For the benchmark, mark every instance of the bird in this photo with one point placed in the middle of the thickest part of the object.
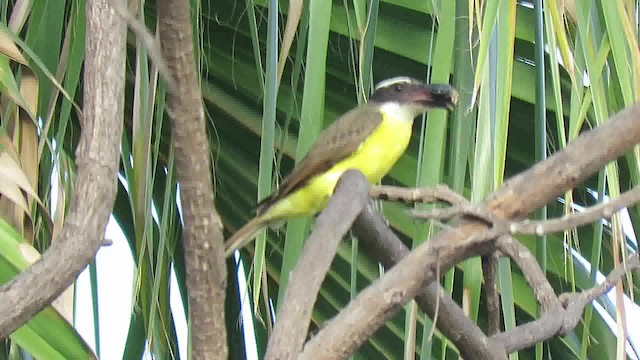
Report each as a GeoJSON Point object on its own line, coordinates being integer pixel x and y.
{"type": "Point", "coordinates": [369, 138]}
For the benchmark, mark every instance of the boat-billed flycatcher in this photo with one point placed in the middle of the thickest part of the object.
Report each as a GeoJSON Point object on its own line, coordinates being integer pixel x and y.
{"type": "Point", "coordinates": [370, 138]}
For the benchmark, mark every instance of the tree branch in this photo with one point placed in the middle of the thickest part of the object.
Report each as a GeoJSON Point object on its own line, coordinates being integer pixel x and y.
{"type": "Point", "coordinates": [97, 159]}
{"type": "Point", "coordinates": [289, 333]}
{"type": "Point", "coordinates": [203, 240]}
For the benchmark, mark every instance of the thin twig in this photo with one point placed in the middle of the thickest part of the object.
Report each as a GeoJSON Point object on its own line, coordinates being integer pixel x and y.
{"type": "Point", "coordinates": [145, 37]}
{"type": "Point", "coordinates": [440, 193]}
{"type": "Point", "coordinates": [462, 210]}
{"type": "Point", "coordinates": [570, 221]}
{"type": "Point", "coordinates": [563, 317]}
{"type": "Point", "coordinates": [520, 254]}
{"type": "Point", "coordinates": [532, 227]}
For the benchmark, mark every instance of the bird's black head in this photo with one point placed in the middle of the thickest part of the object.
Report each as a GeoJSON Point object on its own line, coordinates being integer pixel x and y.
{"type": "Point", "coordinates": [405, 90]}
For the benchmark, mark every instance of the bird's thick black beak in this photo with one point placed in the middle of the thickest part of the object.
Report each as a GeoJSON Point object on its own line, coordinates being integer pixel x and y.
{"type": "Point", "coordinates": [438, 96]}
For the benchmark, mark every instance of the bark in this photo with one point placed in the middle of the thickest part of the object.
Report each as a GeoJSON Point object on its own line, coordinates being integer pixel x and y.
{"type": "Point", "coordinates": [203, 240]}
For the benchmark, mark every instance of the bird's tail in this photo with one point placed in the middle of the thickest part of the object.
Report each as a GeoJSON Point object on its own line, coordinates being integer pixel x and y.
{"type": "Point", "coordinates": [243, 236]}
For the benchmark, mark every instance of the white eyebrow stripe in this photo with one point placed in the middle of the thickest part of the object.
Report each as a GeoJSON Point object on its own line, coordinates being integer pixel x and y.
{"type": "Point", "coordinates": [395, 80]}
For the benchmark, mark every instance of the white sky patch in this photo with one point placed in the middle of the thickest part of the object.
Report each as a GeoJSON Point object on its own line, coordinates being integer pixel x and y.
{"type": "Point", "coordinates": [179, 318]}
{"type": "Point", "coordinates": [251, 348]}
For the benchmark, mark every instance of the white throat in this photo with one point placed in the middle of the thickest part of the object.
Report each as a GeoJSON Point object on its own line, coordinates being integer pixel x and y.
{"type": "Point", "coordinates": [402, 112]}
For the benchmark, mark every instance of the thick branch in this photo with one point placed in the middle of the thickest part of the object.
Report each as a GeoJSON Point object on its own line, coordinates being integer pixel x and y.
{"type": "Point", "coordinates": [203, 240]}
{"type": "Point", "coordinates": [97, 158]}
{"type": "Point", "coordinates": [517, 197]}
{"type": "Point", "coordinates": [351, 196]}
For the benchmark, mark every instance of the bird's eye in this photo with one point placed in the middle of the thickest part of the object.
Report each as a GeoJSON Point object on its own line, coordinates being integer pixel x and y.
{"type": "Point", "coordinates": [398, 87]}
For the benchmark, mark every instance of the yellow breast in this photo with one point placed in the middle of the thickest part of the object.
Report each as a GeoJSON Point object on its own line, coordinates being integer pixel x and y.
{"type": "Point", "coordinates": [374, 158]}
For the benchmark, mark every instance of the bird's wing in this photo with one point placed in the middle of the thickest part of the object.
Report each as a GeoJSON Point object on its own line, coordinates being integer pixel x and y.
{"type": "Point", "coordinates": [335, 143]}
